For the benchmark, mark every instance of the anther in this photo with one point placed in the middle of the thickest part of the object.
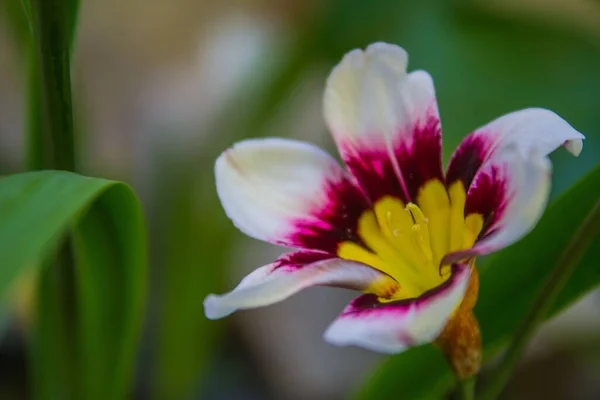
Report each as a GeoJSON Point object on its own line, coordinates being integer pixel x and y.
{"type": "Point", "coordinates": [420, 231]}
{"type": "Point", "coordinates": [417, 214]}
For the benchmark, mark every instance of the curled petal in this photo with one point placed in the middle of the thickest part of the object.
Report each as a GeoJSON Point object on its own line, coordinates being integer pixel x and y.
{"type": "Point", "coordinates": [393, 327]}
{"type": "Point", "coordinates": [385, 121]}
{"type": "Point", "coordinates": [290, 274]}
{"type": "Point", "coordinates": [510, 195]}
{"type": "Point", "coordinates": [288, 192]}
{"type": "Point", "coordinates": [530, 130]}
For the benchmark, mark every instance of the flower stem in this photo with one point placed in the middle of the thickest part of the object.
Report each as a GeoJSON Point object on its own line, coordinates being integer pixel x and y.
{"type": "Point", "coordinates": [541, 305]}
{"type": "Point", "coordinates": [466, 388]}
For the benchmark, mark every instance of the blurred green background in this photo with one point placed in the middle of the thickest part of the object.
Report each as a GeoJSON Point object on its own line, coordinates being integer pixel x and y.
{"type": "Point", "coordinates": [162, 87]}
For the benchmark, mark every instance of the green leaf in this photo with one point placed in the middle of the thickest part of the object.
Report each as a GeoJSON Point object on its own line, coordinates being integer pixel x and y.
{"type": "Point", "coordinates": [109, 247]}
{"type": "Point", "coordinates": [509, 282]}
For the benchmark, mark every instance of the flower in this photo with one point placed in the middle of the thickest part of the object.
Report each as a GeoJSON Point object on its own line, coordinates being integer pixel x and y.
{"type": "Point", "coordinates": [392, 226]}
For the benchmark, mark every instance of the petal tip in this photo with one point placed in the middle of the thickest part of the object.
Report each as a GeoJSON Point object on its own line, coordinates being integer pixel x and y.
{"type": "Point", "coordinates": [213, 309]}
{"type": "Point", "coordinates": [361, 94]}
{"type": "Point", "coordinates": [354, 57]}
{"type": "Point", "coordinates": [225, 163]}
{"type": "Point", "coordinates": [331, 335]}
{"type": "Point", "coordinates": [394, 50]}
{"type": "Point", "coordinates": [574, 146]}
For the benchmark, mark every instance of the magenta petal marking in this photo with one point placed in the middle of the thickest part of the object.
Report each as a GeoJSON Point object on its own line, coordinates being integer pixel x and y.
{"type": "Point", "coordinates": [298, 259]}
{"type": "Point", "coordinates": [489, 196]}
{"type": "Point", "coordinates": [467, 159]}
{"type": "Point", "coordinates": [420, 159]}
{"type": "Point", "coordinates": [375, 171]}
{"type": "Point", "coordinates": [486, 195]}
{"type": "Point", "coordinates": [413, 158]}
{"type": "Point", "coordinates": [331, 222]}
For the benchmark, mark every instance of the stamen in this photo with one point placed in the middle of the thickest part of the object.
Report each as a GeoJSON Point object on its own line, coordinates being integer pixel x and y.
{"type": "Point", "coordinates": [421, 240]}
{"type": "Point", "coordinates": [445, 271]}
{"type": "Point", "coordinates": [416, 213]}
{"type": "Point", "coordinates": [420, 231]}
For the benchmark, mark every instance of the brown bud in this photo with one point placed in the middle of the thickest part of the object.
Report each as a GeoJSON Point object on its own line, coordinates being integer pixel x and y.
{"type": "Point", "coordinates": [461, 338]}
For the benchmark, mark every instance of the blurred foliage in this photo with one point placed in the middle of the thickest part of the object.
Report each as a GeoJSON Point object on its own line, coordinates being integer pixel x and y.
{"type": "Point", "coordinates": [191, 262]}
{"type": "Point", "coordinates": [109, 246]}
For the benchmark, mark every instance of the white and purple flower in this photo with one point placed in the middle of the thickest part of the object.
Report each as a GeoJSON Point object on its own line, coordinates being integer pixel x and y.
{"type": "Point", "coordinates": [393, 226]}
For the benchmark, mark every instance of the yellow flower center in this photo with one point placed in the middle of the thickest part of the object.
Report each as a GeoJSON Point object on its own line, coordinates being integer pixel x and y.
{"type": "Point", "coordinates": [408, 241]}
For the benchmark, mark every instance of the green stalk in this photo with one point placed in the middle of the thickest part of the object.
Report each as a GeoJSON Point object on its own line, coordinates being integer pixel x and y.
{"type": "Point", "coordinates": [52, 28]}
{"type": "Point", "coordinates": [541, 305]}
{"type": "Point", "coordinates": [51, 145]}
{"type": "Point", "coordinates": [36, 148]}
{"type": "Point", "coordinates": [466, 388]}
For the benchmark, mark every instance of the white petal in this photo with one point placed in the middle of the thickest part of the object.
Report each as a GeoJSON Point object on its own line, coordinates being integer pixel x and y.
{"type": "Point", "coordinates": [381, 116]}
{"type": "Point", "coordinates": [529, 131]}
{"type": "Point", "coordinates": [504, 166]}
{"type": "Point", "coordinates": [362, 91]}
{"type": "Point", "coordinates": [394, 327]}
{"type": "Point", "coordinates": [532, 129]}
{"type": "Point", "coordinates": [530, 190]}
{"type": "Point", "coordinates": [286, 192]}
{"type": "Point", "coordinates": [574, 146]}
{"type": "Point", "coordinates": [516, 189]}
{"type": "Point", "coordinates": [278, 281]}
